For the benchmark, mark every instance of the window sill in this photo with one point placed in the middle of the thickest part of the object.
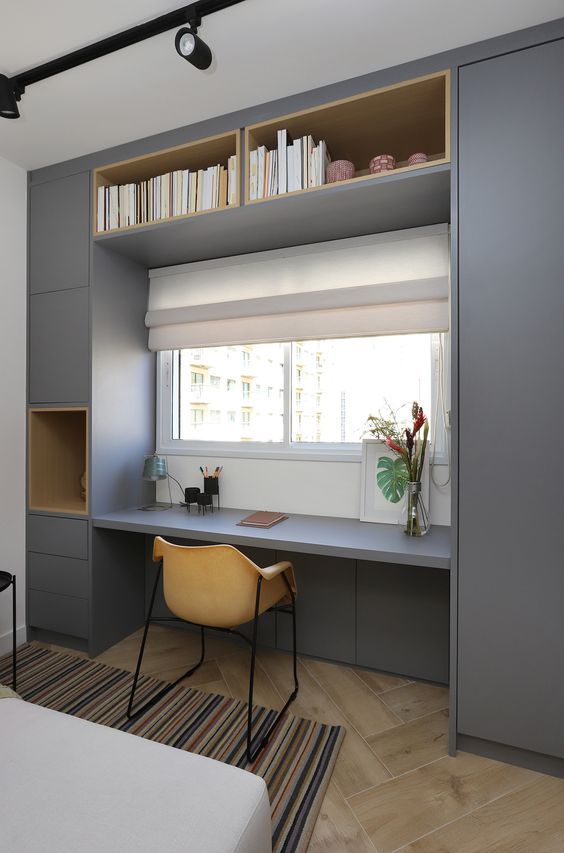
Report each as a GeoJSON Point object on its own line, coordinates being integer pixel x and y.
{"type": "Point", "coordinates": [305, 454]}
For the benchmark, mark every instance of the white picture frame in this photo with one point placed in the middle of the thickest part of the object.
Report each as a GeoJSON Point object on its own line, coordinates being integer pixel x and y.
{"type": "Point", "coordinates": [373, 505]}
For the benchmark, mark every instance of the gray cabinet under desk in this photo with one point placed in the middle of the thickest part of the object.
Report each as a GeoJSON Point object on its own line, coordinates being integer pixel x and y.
{"type": "Point", "coordinates": [357, 603]}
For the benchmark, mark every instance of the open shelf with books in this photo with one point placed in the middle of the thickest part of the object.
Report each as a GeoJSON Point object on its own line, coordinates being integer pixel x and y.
{"type": "Point", "coordinates": [184, 181]}
{"type": "Point", "coordinates": [400, 199]}
{"type": "Point", "coordinates": [58, 460]}
{"type": "Point", "coordinates": [290, 154]}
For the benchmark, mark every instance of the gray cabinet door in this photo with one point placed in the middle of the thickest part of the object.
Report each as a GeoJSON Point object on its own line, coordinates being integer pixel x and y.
{"type": "Point", "coordinates": [325, 607]}
{"type": "Point", "coordinates": [403, 619]}
{"type": "Point", "coordinates": [59, 347]}
{"type": "Point", "coordinates": [60, 234]}
{"type": "Point", "coordinates": [511, 262]}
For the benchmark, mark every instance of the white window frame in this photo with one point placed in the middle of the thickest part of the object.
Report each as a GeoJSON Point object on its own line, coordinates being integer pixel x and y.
{"type": "Point", "coordinates": [286, 449]}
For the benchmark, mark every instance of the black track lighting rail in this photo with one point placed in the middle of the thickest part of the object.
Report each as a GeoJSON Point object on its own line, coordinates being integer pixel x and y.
{"type": "Point", "coordinates": [190, 14]}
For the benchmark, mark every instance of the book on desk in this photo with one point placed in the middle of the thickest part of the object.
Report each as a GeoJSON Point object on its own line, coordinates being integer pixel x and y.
{"type": "Point", "coordinates": [263, 518]}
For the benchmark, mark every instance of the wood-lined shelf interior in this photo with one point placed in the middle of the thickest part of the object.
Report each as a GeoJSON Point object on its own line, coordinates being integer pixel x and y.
{"type": "Point", "coordinates": [58, 460]}
{"type": "Point", "coordinates": [410, 117]}
{"type": "Point", "coordinates": [196, 155]}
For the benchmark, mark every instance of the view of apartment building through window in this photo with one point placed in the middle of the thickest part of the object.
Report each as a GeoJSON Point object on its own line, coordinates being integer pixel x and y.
{"type": "Point", "coordinates": [238, 394]}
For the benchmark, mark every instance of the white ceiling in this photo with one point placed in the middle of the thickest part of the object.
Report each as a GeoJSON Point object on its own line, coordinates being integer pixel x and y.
{"type": "Point", "coordinates": [263, 49]}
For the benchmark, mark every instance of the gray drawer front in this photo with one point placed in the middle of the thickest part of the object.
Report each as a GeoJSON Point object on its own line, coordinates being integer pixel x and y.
{"type": "Point", "coordinates": [64, 537]}
{"type": "Point", "coordinates": [59, 613]}
{"type": "Point", "coordinates": [63, 575]}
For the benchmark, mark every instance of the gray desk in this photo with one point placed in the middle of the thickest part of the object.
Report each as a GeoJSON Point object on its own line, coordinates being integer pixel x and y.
{"type": "Point", "coordinates": [307, 534]}
{"type": "Point", "coordinates": [368, 595]}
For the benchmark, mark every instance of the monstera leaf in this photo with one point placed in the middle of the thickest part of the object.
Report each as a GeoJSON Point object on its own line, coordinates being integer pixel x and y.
{"type": "Point", "coordinates": [391, 477]}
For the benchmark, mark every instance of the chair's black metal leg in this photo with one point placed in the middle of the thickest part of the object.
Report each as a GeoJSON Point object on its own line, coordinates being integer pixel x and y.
{"type": "Point", "coordinates": [295, 655]}
{"type": "Point", "coordinates": [14, 631]}
{"type": "Point", "coordinates": [252, 672]}
{"type": "Point", "coordinates": [263, 739]}
{"type": "Point", "coordinates": [143, 641]}
{"type": "Point", "coordinates": [168, 687]}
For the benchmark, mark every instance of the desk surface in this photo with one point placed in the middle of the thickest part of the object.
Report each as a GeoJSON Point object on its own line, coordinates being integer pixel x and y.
{"type": "Point", "coordinates": [306, 534]}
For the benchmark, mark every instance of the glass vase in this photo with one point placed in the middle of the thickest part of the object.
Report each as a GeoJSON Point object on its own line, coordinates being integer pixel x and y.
{"type": "Point", "coordinates": [417, 517]}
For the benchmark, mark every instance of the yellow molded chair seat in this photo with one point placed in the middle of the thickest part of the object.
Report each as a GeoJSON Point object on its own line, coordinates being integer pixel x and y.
{"type": "Point", "coordinates": [216, 585]}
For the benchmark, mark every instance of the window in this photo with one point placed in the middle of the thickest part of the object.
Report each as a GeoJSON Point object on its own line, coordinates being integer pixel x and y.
{"type": "Point", "coordinates": [318, 406]}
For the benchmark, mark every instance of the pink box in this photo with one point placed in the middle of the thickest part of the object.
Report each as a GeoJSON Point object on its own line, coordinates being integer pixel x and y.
{"type": "Point", "coordinates": [340, 170]}
{"type": "Point", "coordinates": [418, 157]}
{"type": "Point", "coordinates": [382, 163]}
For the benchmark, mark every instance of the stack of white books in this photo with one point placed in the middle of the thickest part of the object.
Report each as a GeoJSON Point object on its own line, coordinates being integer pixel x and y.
{"type": "Point", "coordinates": [295, 165]}
{"type": "Point", "coordinates": [175, 193]}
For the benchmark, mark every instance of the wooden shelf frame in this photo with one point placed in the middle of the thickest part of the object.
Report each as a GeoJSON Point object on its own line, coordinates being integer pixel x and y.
{"type": "Point", "coordinates": [400, 119]}
{"type": "Point", "coordinates": [58, 457]}
{"type": "Point", "coordinates": [199, 154]}
{"type": "Point", "coordinates": [413, 115]}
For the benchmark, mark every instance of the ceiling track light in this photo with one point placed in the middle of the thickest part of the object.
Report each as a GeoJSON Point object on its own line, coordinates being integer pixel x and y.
{"type": "Point", "coordinates": [191, 47]}
{"type": "Point", "coordinates": [9, 97]}
{"type": "Point", "coordinates": [188, 44]}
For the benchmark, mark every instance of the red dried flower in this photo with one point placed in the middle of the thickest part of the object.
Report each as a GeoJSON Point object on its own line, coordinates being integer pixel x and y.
{"type": "Point", "coordinates": [393, 446]}
{"type": "Point", "coordinates": [419, 421]}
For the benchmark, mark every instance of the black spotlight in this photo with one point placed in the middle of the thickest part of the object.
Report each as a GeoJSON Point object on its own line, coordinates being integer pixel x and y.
{"type": "Point", "coordinates": [8, 103]}
{"type": "Point", "coordinates": [191, 47]}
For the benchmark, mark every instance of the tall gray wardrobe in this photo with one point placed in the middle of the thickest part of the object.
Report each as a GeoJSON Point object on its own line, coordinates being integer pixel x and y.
{"type": "Point", "coordinates": [511, 416]}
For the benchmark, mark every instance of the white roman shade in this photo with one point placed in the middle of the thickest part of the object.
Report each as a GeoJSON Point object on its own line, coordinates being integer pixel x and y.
{"type": "Point", "coordinates": [382, 284]}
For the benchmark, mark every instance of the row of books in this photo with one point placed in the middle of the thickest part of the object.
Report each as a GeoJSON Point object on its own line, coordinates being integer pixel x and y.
{"type": "Point", "coordinates": [173, 194]}
{"type": "Point", "coordinates": [294, 165]}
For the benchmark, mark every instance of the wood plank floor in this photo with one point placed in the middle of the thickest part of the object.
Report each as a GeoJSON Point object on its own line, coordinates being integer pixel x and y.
{"type": "Point", "coordinates": [394, 787]}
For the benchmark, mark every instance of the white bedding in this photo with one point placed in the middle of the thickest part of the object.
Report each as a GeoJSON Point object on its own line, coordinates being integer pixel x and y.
{"type": "Point", "coordinates": [70, 786]}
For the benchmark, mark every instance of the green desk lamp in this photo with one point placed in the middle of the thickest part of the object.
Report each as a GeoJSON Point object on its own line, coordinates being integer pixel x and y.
{"type": "Point", "coordinates": [155, 468]}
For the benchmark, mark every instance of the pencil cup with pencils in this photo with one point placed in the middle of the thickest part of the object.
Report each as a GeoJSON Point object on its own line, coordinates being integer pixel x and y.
{"type": "Point", "coordinates": [211, 484]}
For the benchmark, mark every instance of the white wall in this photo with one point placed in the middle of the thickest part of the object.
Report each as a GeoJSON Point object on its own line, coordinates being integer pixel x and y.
{"type": "Point", "coordinates": [308, 487]}
{"type": "Point", "coordinates": [13, 240]}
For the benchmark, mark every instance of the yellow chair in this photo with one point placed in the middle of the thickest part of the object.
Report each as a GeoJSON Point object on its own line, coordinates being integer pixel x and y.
{"type": "Point", "coordinates": [216, 586]}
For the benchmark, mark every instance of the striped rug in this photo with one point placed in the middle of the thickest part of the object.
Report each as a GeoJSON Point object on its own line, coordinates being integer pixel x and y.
{"type": "Point", "coordinates": [296, 765]}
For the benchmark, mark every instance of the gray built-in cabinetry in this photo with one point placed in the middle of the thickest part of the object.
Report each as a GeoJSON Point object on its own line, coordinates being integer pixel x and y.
{"type": "Point", "coordinates": [59, 276]}
{"type": "Point", "coordinates": [511, 332]}
{"type": "Point", "coordinates": [86, 347]}
{"type": "Point", "coordinates": [507, 201]}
